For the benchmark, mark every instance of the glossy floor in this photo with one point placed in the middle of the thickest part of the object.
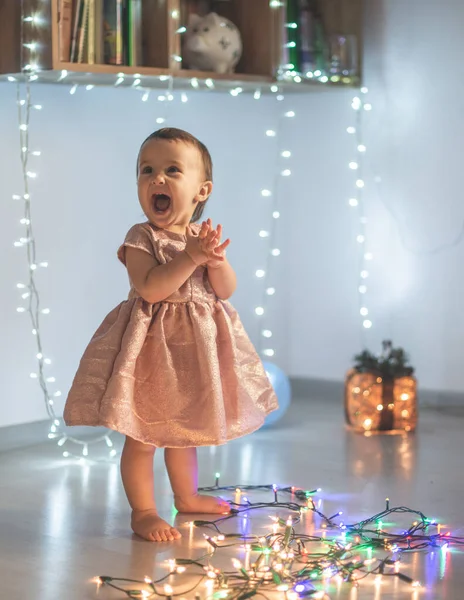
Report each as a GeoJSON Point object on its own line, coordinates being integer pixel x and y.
{"type": "Point", "coordinates": [62, 523]}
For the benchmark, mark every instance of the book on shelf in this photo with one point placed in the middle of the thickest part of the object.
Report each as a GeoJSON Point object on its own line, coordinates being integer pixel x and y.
{"type": "Point", "coordinates": [305, 40]}
{"type": "Point", "coordinates": [101, 31]}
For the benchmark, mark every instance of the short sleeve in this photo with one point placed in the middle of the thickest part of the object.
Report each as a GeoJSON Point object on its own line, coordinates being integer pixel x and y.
{"type": "Point", "coordinates": [140, 237]}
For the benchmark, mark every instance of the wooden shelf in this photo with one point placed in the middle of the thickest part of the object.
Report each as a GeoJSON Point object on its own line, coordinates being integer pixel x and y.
{"type": "Point", "coordinates": [261, 27]}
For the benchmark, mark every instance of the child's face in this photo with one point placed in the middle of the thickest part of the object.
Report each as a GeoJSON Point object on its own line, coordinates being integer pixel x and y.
{"type": "Point", "coordinates": [171, 183]}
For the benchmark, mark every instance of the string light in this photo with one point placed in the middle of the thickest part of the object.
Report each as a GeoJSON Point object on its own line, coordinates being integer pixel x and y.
{"type": "Point", "coordinates": [357, 202]}
{"type": "Point", "coordinates": [30, 291]}
{"type": "Point", "coordinates": [283, 559]}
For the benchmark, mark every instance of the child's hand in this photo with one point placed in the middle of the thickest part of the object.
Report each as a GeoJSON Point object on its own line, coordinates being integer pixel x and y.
{"type": "Point", "coordinates": [211, 240]}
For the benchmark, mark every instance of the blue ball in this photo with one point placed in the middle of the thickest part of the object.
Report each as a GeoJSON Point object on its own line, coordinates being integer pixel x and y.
{"type": "Point", "coordinates": [281, 385]}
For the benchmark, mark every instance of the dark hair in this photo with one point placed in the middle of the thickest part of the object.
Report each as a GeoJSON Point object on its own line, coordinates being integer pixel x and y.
{"type": "Point", "coordinates": [172, 134]}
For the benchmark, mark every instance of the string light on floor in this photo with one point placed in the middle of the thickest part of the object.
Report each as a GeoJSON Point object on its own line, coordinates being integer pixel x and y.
{"type": "Point", "coordinates": [29, 292]}
{"type": "Point", "coordinates": [356, 202]}
{"type": "Point", "coordinates": [279, 558]}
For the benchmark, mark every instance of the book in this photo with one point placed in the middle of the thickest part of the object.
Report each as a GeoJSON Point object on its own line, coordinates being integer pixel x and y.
{"type": "Point", "coordinates": [82, 33]}
{"type": "Point", "coordinates": [91, 33]}
{"type": "Point", "coordinates": [65, 15]}
{"type": "Point", "coordinates": [99, 50]}
{"type": "Point", "coordinates": [135, 32]}
{"type": "Point", "coordinates": [293, 35]}
{"type": "Point", "coordinates": [113, 31]}
{"type": "Point", "coordinates": [79, 9]}
{"type": "Point", "coordinates": [306, 24]}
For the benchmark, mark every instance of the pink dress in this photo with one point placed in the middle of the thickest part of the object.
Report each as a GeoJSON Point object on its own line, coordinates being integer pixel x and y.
{"type": "Point", "coordinates": [178, 373]}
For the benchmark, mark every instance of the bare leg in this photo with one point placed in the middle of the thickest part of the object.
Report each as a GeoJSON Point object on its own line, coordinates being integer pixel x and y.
{"type": "Point", "coordinates": [138, 479]}
{"type": "Point", "coordinates": [182, 466]}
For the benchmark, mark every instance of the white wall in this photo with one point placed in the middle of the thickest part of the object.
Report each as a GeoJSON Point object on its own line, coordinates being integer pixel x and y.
{"type": "Point", "coordinates": [85, 200]}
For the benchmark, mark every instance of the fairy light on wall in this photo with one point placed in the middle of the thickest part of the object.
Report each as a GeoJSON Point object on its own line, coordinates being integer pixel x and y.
{"type": "Point", "coordinates": [30, 298]}
{"type": "Point", "coordinates": [359, 106]}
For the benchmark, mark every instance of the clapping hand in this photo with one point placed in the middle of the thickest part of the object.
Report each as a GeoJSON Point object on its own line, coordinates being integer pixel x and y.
{"type": "Point", "coordinates": [210, 241]}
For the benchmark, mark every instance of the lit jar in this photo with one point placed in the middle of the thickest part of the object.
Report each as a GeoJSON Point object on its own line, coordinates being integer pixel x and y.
{"type": "Point", "coordinates": [375, 404]}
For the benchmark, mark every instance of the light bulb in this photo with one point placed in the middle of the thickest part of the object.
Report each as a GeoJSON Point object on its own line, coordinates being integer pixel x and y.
{"type": "Point", "coordinates": [259, 310]}
{"type": "Point", "coordinates": [264, 234]}
{"type": "Point", "coordinates": [356, 103]}
{"type": "Point", "coordinates": [113, 452]}
{"type": "Point", "coordinates": [33, 375]}
{"type": "Point", "coordinates": [72, 91]}
{"type": "Point", "coordinates": [269, 352]}
{"type": "Point", "coordinates": [33, 267]}
{"type": "Point", "coordinates": [10, 78]}
{"type": "Point", "coordinates": [184, 98]}
{"type": "Point", "coordinates": [364, 274]}
{"type": "Point", "coordinates": [20, 286]}
{"type": "Point", "coordinates": [57, 394]}
{"type": "Point", "coordinates": [297, 79]}
{"type": "Point", "coordinates": [194, 83]}
{"type": "Point", "coordinates": [276, 214]}
{"type": "Point", "coordinates": [23, 127]}
{"type": "Point", "coordinates": [290, 114]}
{"type": "Point", "coordinates": [266, 193]}
{"type": "Point", "coordinates": [280, 98]}
{"type": "Point", "coordinates": [368, 256]}
{"type": "Point", "coordinates": [109, 443]}
{"type": "Point", "coordinates": [360, 239]}
{"type": "Point", "coordinates": [359, 183]}
{"type": "Point", "coordinates": [47, 361]}
{"type": "Point", "coordinates": [145, 96]}
{"type": "Point", "coordinates": [364, 312]}
{"type": "Point", "coordinates": [39, 355]}
{"type": "Point", "coordinates": [257, 95]}
{"type": "Point", "coordinates": [89, 87]}
{"type": "Point", "coordinates": [45, 311]}
{"type": "Point", "coordinates": [21, 309]}
{"type": "Point", "coordinates": [286, 173]}
{"type": "Point", "coordinates": [209, 83]}
{"type": "Point", "coordinates": [367, 324]}
{"type": "Point", "coordinates": [351, 130]}
{"type": "Point", "coordinates": [271, 133]}
{"type": "Point", "coordinates": [364, 90]}
{"type": "Point", "coordinates": [275, 252]}
{"type": "Point", "coordinates": [267, 333]}
{"type": "Point", "coordinates": [368, 106]}
{"type": "Point", "coordinates": [64, 74]}
{"type": "Point", "coordinates": [353, 202]}
{"type": "Point", "coordinates": [353, 165]}
{"type": "Point", "coordinates": [286, 154]}
{"type": "Point", "coordinates": [274, 89]}
{"type": "Point", "coordinates": [270, 291]}
{"type": "Point", "coordinates": [31, 174]}
{"type": "Point", "coordinates": [260, 273]}
{"type": "Point", "coordinates": [324, 79]}
{"type": "Point", "coordinates": [119, 80]}
{"type": "Point", "coordinates": [62, 441]}
{"type": "Point", "coordinates": [362, 148]}
{"type": "Point", "coordinates": [44, 264]}
{"type": "Point", "coordinates": [51, 379]}
{"type": "Point", "coordinates": [85, 450]}
{"type": "Point", "coordinates": [160, 120]}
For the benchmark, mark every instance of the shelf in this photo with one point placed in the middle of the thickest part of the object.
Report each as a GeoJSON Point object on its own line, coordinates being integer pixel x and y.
{"type": "Point", "coordinates": [71, 74]}
{"type": "Point", "coordinates": [162, 47]}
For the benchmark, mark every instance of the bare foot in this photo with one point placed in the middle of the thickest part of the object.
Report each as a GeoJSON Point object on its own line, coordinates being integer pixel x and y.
{"type": "Point", "coordinates": [150, 526]}
{"type": "Point", "coordinates": [201, 504]}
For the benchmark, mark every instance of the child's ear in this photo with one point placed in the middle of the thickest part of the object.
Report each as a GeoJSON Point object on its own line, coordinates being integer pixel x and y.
{"type": "Point", "coordinates": [205, 191]}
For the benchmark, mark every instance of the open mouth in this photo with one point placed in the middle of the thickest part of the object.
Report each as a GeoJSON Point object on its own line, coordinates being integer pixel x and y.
{"type": "Point", "coordinates": [161, 203]}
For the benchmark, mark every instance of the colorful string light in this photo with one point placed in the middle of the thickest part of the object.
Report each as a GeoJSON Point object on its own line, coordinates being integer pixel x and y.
{"type": "Point", "coordinates": [290, 561]}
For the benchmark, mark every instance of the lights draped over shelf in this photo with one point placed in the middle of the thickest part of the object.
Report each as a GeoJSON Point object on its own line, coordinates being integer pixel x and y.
{"type": "Point", "coordinates": [282, 559]}
{"type": "Point", "coordinates": [30, 298]}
